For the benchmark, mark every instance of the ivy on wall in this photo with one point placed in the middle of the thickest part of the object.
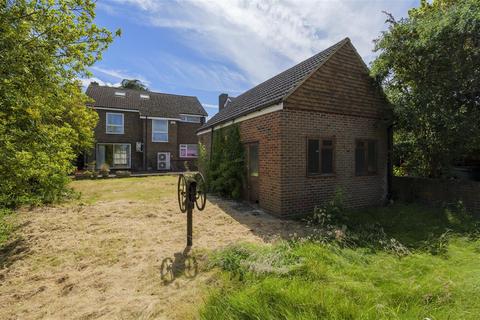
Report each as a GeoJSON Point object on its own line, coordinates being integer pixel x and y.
{"type": "Point", "coordinates": [225, 170]}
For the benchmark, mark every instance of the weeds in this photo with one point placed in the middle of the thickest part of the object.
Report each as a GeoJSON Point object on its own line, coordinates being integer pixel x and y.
{"type": "Point", "coordinates": [6, 225]}
{"type": "Point", "coordinates": [398, 262]}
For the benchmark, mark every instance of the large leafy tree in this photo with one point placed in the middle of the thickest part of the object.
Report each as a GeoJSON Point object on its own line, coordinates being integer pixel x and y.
{"type": "Point", "coordinates": [133, 84]}
{"type": "Point", "coordinates": [429, 65]}
{"type": "Point", "coordinates": [46, 46]}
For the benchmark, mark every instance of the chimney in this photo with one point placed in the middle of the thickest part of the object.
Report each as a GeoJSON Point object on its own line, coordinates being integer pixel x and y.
{"type": "Point", "coordinates": [94, 83]}
{"type": "Point", "coordinates": [222, 98]}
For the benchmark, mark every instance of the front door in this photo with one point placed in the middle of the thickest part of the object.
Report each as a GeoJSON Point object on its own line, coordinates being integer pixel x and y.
{"type": "Point", "coordinates": [252, 172]}
{"type": "Point", "coordinates": [163, 161]}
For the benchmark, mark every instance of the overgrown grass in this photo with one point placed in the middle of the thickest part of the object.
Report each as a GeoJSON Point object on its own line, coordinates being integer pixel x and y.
{"type": "Point", "coordinates": [6, 225]}
{"type": "Point", "coordinates": [308, 279]}
{"type": "Point", "coordinates": [132, 189]}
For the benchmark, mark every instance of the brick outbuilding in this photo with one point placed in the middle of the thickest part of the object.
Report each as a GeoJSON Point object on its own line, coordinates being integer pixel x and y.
{"type": "Point", "coordinates": [317, 127]}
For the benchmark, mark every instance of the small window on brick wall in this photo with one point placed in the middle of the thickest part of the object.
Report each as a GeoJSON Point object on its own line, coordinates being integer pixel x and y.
{"type": "Point", "coordinates": [366, 155]}
{"type": "Point", "coordinates": [320, 156]}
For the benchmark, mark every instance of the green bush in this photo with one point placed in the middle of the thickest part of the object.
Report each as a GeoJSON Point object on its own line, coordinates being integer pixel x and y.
{"type": "Point", "coordinates": [226, 167]}
{"type": "Point", "coordinates": [122, 173]}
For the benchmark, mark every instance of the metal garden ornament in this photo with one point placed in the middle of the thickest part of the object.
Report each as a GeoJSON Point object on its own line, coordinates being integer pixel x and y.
{"type": "Point", "coordinates": [191, 193]}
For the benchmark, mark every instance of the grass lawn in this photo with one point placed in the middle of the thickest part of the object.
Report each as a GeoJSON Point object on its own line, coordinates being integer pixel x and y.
{"type": "Point", "coordinates": [438, 279]}
{"type": "Point", "coordinates": [133, 189]}
{"type": "Point", "coordinates": [100, 256]}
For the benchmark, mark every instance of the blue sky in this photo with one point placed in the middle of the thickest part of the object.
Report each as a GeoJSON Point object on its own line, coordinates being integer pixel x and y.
{"type": "Point", "coordinates": [204, 48]}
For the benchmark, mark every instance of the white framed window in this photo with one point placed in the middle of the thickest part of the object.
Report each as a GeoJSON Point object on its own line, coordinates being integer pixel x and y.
{"type": "Point", "coordinates": [159, 130]}
{"type": "Point", "coordinates": [189, 151]}
{"type": "Point", "coordinates": [190, 118]}
{"type": "Point", "coordinates": [120, 94]}
{"type": "Point", "coordinates": [114, 123]}
{"type": "Point", "coordinates": [116, 155]}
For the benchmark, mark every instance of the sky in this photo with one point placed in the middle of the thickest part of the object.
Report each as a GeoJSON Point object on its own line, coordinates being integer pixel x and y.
{"type": "Point", "coordinates": [204, 48]}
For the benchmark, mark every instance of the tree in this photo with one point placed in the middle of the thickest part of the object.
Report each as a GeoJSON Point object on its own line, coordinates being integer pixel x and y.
{"type": "Point", "coordinates": [429, 66]}
{"type": "Point", "coordinates": [133, 84]}
{"type": "Point", "coordinates": [44, 122]}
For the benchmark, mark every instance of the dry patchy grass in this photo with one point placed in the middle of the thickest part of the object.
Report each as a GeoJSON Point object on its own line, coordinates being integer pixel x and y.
{"type": "Point", "coordinates": [100, 257]}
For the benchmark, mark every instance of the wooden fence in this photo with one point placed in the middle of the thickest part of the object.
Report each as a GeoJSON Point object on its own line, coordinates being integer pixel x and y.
{"type": "Point", "coordinates": [438, 192]}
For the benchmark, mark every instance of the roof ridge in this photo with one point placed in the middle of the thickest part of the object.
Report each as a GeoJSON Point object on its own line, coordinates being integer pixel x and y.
{"type": "Point", "coordinates": [233, 106]}
{"type": "Point", "coordinates": [343, 41]}
{"type": "Point", "coordinates": [141, 91]}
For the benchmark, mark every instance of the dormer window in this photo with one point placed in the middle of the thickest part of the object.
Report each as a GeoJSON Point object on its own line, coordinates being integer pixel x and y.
{"type": "Point", "coordinates": [144, 96]}
{"type": "Point", "coordinates": [119, 94]}
{"type": "Point", "coordinates": [190, 118]}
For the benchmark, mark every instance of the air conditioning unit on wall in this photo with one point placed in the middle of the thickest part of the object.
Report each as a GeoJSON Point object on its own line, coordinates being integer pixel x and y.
{"type": "Point", "coordinates": [139, 147]}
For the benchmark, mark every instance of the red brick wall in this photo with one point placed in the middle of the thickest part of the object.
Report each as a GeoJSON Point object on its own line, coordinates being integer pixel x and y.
{"type": "Point", "coordinates": [340, 101]}
{"type": "Point", "coordinates": [134, 126]}
{"type": "Point", "coordinates": [132, 133]}
{"type": "Point", "coordinates": [152, 148]}
{"type": "Point", "coordinates": [301, 193]}
{"type": "Point", "coordinates": [266, 130]}
{"type": "Point", "coordinates": [337, 101]}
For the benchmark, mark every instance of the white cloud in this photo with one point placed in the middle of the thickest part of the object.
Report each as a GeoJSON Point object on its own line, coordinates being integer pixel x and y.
{"type": "Point", "coordinates": [209, 76]}
{"type": "Point", "coordinates": [263, 37]}
{"type": "Point", "coordinates": [119, 74]}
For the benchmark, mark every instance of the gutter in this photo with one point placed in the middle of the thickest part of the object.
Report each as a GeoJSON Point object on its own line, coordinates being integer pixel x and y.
{"type": "Point", "coordinates": [389, 161]}
{"type": "Point", "coordinates": [145, 123]}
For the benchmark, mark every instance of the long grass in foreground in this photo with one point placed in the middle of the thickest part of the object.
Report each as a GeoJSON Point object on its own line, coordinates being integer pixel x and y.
{"type": "Point", "coordinates": [327, 280]}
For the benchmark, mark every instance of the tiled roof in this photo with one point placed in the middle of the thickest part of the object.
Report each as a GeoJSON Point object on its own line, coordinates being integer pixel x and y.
{"type": "Point", "coordinates": [274, 90]}
{"type": "Point", "coordinates": [158, 105]}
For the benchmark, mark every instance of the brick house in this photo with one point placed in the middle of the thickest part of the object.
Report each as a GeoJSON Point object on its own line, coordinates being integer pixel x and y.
{"type": "Point", "coordinates": [144, 130]}
{"type": "Point", "coordinates": [310, 130]}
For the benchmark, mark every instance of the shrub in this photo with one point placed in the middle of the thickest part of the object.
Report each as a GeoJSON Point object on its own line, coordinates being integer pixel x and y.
{"type": "Point", "coordinates": [226, 167]}
{"type": "Point", "coordinates": [123, 173]}
{"type": "Point", "coordinates": [332, 213]}
{"type": "Point", "coordinates": [104, 170]}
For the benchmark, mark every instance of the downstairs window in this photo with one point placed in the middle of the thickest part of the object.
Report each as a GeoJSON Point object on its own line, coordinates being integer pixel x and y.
{"type": "Point", "coordinates": [116, 155]}
{"type": "Point", "coordinates": [320, 156]}
{"type": "Point", "coordinates": [188, 151]}
{"type": "Point", "coordinates": [365, 157]}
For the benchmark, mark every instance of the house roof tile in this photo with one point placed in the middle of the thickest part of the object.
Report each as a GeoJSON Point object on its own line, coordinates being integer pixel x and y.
{"type": "Point", "coordinates": [158, 104]}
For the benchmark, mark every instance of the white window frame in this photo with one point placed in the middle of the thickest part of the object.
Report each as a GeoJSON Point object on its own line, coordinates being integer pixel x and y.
{"type": "Point", "coordinates": [184, 118]}
{"type": "Point", "coordinates": [153, 132]}
{"type": "Point", "coordinates": [185, 146]}
{"type": "Point", "coordinates": [114, 125]}
{"type": "Point", "coordinates": [114, 144]}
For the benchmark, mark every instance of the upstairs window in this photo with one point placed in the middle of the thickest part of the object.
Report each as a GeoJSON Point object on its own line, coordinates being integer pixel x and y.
{"type": "Point", "coordinates": [188, 151]}
{"type": "Point", "coordinates": [159, 130]}
{"type": "Point", "coordinates": [320, 156]}
{"type": "Point", "coordinates": [120, 94]}
{"type": "Point", "coordinates": [114, 123]}
{"type": "Point", "coordinates": [193, 119]}
{"type": "Point", "coordinates": [366, 155]}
